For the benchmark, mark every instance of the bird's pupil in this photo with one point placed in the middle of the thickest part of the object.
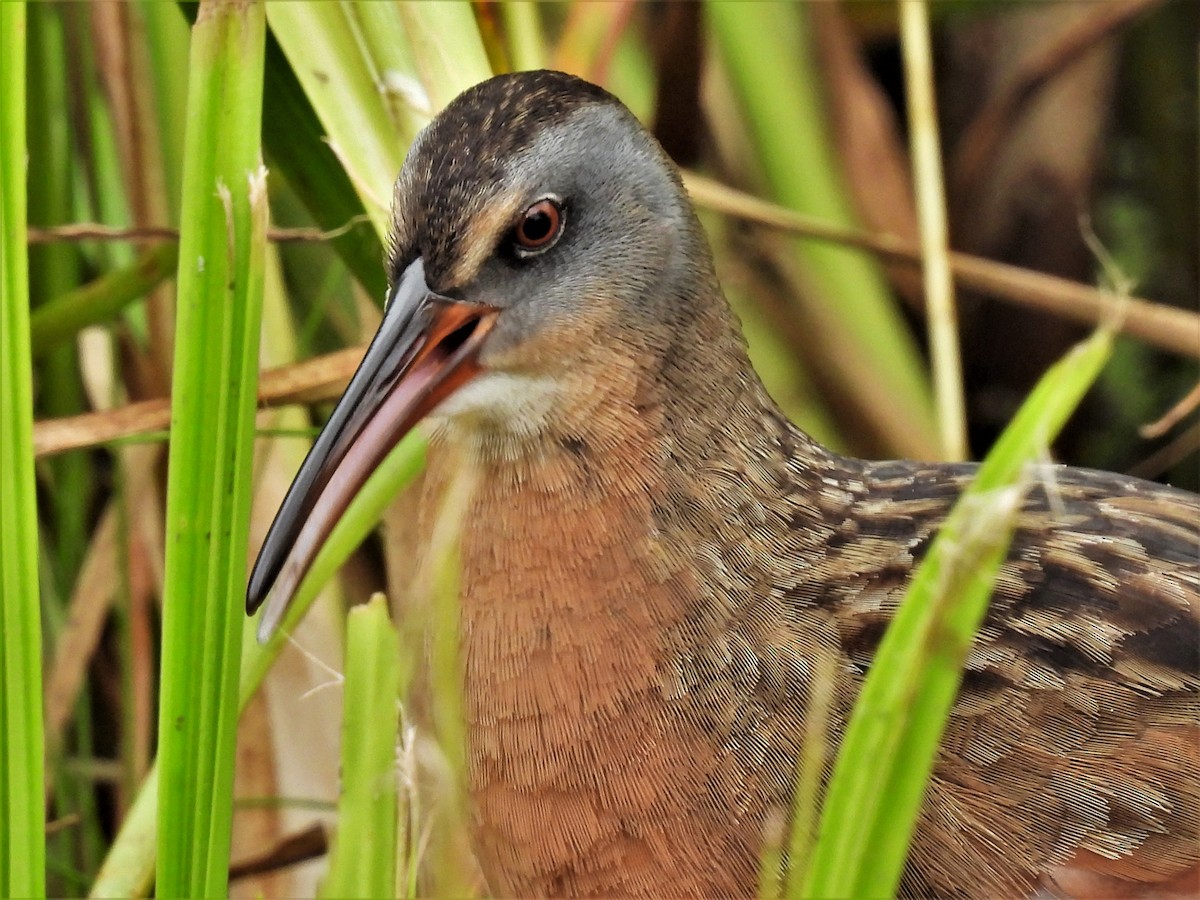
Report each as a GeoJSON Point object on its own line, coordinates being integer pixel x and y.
{"type": "Point", "coordinates": [536, 226]}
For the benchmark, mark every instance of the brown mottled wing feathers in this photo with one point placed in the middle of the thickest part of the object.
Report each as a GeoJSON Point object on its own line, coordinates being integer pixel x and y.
{"type": "Point", "coordinates": [1075, 735]}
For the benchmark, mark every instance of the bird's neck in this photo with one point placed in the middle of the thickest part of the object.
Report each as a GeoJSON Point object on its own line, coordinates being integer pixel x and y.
{"type": "Point", "coordinates": [596, 598]}
{"type": "Point", "coordinates": [665, 444]}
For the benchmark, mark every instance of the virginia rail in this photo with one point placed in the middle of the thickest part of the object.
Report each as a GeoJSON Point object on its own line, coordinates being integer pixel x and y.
{"type": "Point", "coordinates": [654, 556]}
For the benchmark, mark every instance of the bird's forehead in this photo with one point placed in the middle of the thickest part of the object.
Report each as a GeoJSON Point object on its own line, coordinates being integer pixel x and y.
{"type": "Point", "coordinates": [455, 182]}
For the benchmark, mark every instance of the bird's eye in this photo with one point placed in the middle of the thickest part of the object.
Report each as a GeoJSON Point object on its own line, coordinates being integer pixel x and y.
{"type": "Point", "coordinates": [539, 227]}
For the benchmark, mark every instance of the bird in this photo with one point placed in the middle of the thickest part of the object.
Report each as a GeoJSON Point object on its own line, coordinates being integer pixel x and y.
{"type": "Point", "coordinates": [653, 557]}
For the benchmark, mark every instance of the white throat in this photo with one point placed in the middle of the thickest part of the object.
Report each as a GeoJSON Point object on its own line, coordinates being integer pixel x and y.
{"type": "Point", "coordinates": [497, 413]}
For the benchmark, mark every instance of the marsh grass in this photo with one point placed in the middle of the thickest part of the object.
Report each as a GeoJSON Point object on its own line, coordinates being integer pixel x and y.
{"type": "Point", "coordinates": [22, 816]}
{"type": "Point", "coordinates": [362, 861]}
{"type": "Point", "coordinates": [874, 795]}
{"type": "Point", "coordinates": [220, 285]}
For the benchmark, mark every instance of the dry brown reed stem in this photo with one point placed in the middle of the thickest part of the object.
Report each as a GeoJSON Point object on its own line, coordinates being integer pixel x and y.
{"type": "Point", "coordinates": [1167, 327]}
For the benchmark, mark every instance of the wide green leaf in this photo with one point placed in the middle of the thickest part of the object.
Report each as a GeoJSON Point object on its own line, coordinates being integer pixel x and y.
{"type": "Point", "coordinates": [222, 241]}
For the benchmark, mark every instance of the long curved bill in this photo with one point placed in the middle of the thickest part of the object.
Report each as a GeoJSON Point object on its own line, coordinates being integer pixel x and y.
{"type": "Point", "coordinates": [425, 349]}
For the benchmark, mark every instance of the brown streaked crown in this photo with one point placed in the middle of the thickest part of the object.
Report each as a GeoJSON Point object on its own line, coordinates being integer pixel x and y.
{"type": "Point", "coordinates": [465, 149]}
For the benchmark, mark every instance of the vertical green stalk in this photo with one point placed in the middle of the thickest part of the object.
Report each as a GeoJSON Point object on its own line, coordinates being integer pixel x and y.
{"type": "Point", "coordinates": [22, 816]}
{"type": "Point", "coordinates": [54, 270]}
{"type": "Point", "coordinates": [363, 861]}
{"type": "Point", "coordinates": [772, 69]}
{"type": "Point", "coordinates": [221, 265]}
{"type": "Point", "coordinates": [166, 44]}
{"type": "Point", "coordinates": [886, 758]}
{"type": "Point", "coordinates": [931, 205]}
{"type": "Point", "coordinates": [526, 43]}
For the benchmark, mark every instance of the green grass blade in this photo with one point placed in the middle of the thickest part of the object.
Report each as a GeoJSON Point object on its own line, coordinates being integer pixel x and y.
{"type": "Point", "coordinates": [371, 92]}
{"type": "Point", "coordinates": [363, 859]}
{"type": "Point", "coordinates": [879, 779]}
{"type": "Point", "coordinates": [22, 816]}
{"type": "Point", "coordinates": [54, 270]}
{"type": "Point", "coordinates": [325, 52]}
{"type": "Point", "coordinates": [61, 318]}
{"type": "Point", "coordinates": [446, 48]}
{"type": "Point", "coordinates": [66, 516]}
{"type": "Point", "coordinates": [523, 26]}
{"type": "Point", "coordinates": [221, 249]}
{"type": "Point", "coordinates": [391, 476]}
{"type": "Point", "coordinates": [295, 146]}
{"type": "Point", "coordinates": [772, 69]}
{"type": "Point", "coordinates": [128, 869]}
{"type": "Point", "coordinates": [167, 32]}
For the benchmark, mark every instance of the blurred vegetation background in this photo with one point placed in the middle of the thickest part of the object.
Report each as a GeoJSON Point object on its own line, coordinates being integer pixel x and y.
{"type": "Point", "coordinates": [1062, 124]}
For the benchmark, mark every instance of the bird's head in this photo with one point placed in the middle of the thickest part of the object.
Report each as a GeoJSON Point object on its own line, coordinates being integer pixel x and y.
{"type": "Point", "coordinates": [538, 216]}
{"type": "Point", "coordinates": [537, 232]}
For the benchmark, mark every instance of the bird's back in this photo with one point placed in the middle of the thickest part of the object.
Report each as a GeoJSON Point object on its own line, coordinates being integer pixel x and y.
{"type": "Point", "coordinates": [1072, 756]}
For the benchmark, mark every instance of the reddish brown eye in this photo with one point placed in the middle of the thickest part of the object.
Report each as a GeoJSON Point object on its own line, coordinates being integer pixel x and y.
{"type": "Point", "coordinates": [539, 226]}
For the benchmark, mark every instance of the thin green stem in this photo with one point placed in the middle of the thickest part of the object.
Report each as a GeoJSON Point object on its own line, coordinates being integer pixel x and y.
{"type": "Point", "coordinates": [22, 816]}
{"type": "Point", "coordinates": [363, 861]}
{"type": "Point", "coordinates": [61, 318]}
{"type": "Point", "coordinates": [879, 779]}
{"type": "Point", "coordinates": [931, 208]}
